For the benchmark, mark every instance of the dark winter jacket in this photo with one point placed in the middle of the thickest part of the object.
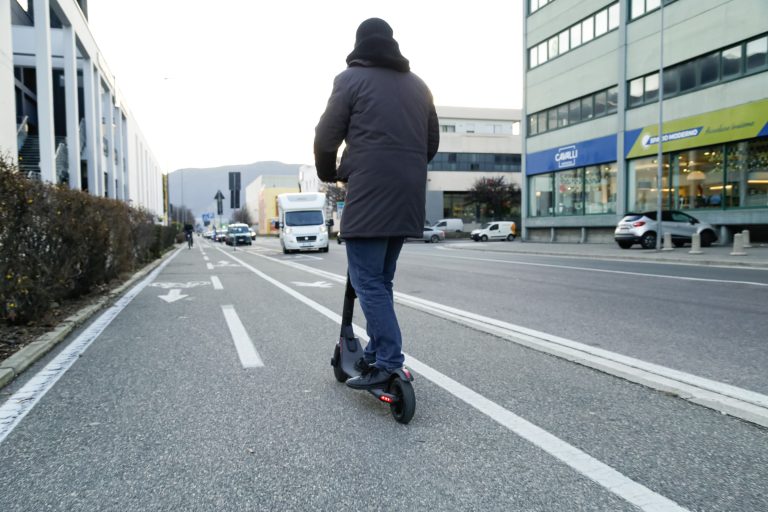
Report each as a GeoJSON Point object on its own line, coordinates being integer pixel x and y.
{"type": "Point", "coordinates": [387, 118]}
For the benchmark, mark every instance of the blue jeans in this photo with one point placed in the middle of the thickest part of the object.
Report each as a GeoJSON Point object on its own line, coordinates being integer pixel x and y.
{"type": "Point", "coordinates": [371, 266]}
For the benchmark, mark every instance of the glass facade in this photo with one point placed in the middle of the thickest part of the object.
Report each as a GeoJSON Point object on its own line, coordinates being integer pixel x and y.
{"type": "Point", "coordinates": [580, 191]}
{"type": "Point", "coordinates": [483, 162]}
{"type": "Point", "coordinates": [733, 175]}
{"type": "Point", "coordinates": [575, 111]}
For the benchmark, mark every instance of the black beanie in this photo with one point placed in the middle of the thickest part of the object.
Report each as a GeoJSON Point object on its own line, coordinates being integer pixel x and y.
{"type": "Point", "coordinates": [375, 47]}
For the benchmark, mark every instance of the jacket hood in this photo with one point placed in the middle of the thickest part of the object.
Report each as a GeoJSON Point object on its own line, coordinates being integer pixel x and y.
{"type": "Point", "coordinates": [375, 46]}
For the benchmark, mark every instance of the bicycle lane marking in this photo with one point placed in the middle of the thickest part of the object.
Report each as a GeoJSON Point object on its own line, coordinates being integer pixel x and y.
{"type": "Point", "coordinates": [246, 351]}
{"type": "Point", "coordinates": [583, 463]}
{"type": "Point", "coordinates": [21, 402]}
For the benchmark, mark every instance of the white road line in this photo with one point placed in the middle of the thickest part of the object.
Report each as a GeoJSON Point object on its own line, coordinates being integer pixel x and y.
{"type": "Point", "coordinates": [18, 405]}
{"type": "Point", "coordinates": [719, 396]}
{"type": "Point", "coordinates": [216, 283]}
{"type": "Point", "coordinates": [249, 358]}
{"type": "Point", "coordinates": [597, 471]}
{"type": "Point", "coordinates": [209, 265]}
{"type": "Point", "coordinates": [606, 271]}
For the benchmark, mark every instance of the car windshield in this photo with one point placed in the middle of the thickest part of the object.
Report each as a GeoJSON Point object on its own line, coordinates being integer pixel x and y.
{"type": "Point", "coordinates": [307, 218]}
{"type": "Point", "coordinates": [238, 229]}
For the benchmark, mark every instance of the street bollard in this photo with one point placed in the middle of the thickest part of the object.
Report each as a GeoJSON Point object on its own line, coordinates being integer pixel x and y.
{"type": "Point", "coordinates": [745, 236]}
{"type": "Point", "coordinates": [667, 242]}
{"type": "Point", "coordinates": [738, 245]}
{"type": "Point", "coordinates": [695, 244]}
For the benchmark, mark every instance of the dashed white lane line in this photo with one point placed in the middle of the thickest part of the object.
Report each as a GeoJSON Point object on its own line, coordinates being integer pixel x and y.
{"type": "Point", "coordinates": [216, 283]}
{"type": "Point", "coordinates": [249, 358]}
{"type": "Point", "coordinates": [597, 471]}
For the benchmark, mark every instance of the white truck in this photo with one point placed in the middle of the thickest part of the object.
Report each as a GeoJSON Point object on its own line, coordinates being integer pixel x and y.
{"type": "Point", "coordinates": [301, 222]}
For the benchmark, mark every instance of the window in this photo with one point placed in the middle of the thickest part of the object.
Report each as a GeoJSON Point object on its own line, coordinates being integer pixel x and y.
{"type": "Point", "coordinates": [757, 52]}
{"type": "Point", "coordinates": [541, 194]}
{"type": "Point", "coordinates": [586, 108]}
{"type": "Point", "coordinates": [569, 197]}
{"type": "Point", "coordinates": [574, 112]}
{"type": "Point", "coordinates": [600, 187]}
{"type": "Point", "coordinates": [532, 125]}
{"type": "Point", "coordinates": [613, 99]}
{"type": "Point", "coordinates": [601, 104]}
{"type": "Point", "coordinates": [687, 73]}
{"type": "Point", "coordinates": [552, 119]}
{"type": "Point", "coordinates": [671, 86]}
{"type": "Point", "coordinates": [576, 35]}
{"type": "Point", "coordinates": [516, 128]}
{"type": "Point", "coordinates": [543, 122]}
{"type": "Point", "coordinates": [641, 7]}
{"type": "Point", "coordinates": [732, 61]}
{"type": "Point", "coordinates": [636, 92]}
{"type": "Point", "coordinates": [448, 128]}
{"type": "Point", "coordinates": [562, 115]}
{"type": "Point", "coordinates": [709, 68]}
{"type": "Point", "coordinates": [601, 23]}
{"type": "Point", "coordinates": [651, 88]}
{"type": "Point", "coordinates": [535, 5]}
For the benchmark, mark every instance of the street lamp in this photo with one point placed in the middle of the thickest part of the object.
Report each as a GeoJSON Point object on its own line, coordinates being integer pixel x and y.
{"type": "Point", "coordinates": [660, 158]}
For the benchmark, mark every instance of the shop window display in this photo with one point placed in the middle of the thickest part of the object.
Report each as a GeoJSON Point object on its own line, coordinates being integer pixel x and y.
{"type": "Point", "coordinates": [541, 196]}
{"type": "Point", "coordinates": [569, 192]}
{"type": "Point", "coordinates": [600, 188]}
{"type": "Point", "coordinates": [747, 174]}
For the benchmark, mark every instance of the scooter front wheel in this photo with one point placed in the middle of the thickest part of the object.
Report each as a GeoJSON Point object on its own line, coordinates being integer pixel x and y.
{"type": "Point", "coordinates": [405, 406]}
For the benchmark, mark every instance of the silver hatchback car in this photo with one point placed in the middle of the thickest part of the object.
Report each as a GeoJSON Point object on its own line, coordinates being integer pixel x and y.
{"type": "Point", "coordinates": [641, 228]}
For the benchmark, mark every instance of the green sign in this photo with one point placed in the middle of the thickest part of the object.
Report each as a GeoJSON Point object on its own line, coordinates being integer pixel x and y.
{"type": "Point", "coordinates": [743, 122]}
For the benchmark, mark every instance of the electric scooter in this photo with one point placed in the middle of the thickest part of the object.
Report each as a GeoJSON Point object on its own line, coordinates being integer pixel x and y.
{"type": "Point", "coordinates": [398, 392]}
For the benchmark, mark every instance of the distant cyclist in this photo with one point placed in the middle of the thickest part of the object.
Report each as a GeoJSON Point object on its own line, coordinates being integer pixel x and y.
{"type": "Point", "coordinates": [188, 229]}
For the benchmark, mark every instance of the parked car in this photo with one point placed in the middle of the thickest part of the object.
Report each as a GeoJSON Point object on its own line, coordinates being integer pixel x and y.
{"type": "Point", "coordinates": [238, 234]}
{"type": "Point", "coordinates": [450, 225]}
{"type": "Point", "coordinates": [641, 228]}
{"type": "Point", "coordinates": [497, 230]}
{"type": "Point", "coordinates": [430, 235]}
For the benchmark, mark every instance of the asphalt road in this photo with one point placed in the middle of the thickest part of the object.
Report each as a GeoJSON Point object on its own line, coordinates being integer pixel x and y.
{"type": "Point", "coordinates": [163, 412]}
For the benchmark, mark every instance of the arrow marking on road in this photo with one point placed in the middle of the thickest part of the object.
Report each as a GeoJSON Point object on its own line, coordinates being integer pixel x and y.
{"type": "Point", "coordinates": [316, 284]}
{"type": "Point", "coordinates": [188, 284]}
{"type": "Point", "coordinates": [173, 296]}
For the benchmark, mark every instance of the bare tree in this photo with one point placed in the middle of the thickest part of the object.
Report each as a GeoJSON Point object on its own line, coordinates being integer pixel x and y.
{"type": "Point", "coordinates": [243, 216]}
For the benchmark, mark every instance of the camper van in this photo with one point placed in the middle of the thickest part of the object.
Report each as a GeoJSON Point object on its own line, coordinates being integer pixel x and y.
{"type": "Point", "coordinates": [497, 230]}
{"type": "Point", "coordinates": [301, 222]}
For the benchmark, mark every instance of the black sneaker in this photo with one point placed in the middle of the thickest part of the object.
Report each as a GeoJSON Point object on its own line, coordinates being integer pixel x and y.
{"type": "Point", "coordinates": [363, 366]}
{"type": "Point", "coordinates": [376, 378]}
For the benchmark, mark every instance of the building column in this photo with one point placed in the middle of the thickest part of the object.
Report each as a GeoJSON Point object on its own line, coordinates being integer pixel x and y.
{"type": "Point", "coordinates": [99, 126]}
{"type": "Point", "coordinates": [8, 143]}
{"type": "Point", "coordinates": [120, 157]}
{"type": "Point", "coordinates": [91, 125]}
{"type": "Point", "coordinates": [70, 100]}
{"type": "Point", "coordinates": [110, 135]}
{"type": "Point", "coordinates": [44, 73]}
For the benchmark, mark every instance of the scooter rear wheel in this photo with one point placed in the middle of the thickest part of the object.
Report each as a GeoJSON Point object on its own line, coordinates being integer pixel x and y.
{"type": "Point", "coordinates": [340, 375]}
{"type": "Point", "coordinates": [405, 406]}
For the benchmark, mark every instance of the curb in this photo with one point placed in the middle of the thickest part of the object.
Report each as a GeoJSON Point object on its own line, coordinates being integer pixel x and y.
{"type": "Point", "coordinates": [15, 365]}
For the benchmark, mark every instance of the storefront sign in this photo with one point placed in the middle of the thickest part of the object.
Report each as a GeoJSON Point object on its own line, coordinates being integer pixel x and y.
{"type": "Point", "coordinates": [743, 122]}
{"type": "Point", "coordinates": [580, 154]}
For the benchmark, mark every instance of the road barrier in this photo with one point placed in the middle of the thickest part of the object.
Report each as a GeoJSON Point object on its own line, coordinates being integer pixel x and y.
{"type": "Point", "coordinates": [667, 242]}
{"type": "Point", "coordinates": [738, 245]}
{"type": "Point", "coordinates": [745, 237]}
{"type": "Point", "coordinates": [695, 244]}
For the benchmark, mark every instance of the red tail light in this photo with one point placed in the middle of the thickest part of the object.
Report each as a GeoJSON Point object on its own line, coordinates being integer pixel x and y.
{"type": "Point", "coordinates": [385, 398]}
{"type": "Point", "coordinates": [638, 223]}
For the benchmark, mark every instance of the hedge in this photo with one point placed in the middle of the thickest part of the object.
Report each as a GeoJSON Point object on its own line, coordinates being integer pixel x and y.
{"type": "Point", "coordinates": [57, 243]}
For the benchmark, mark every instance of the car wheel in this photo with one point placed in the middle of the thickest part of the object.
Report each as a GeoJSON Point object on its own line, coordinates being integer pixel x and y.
{"type": "Point", "coordinates": [624, 244]}
{"type": "Point", "coordinates": [434, 239]}
{"type": "Point", "coordinates": [484, 238]}
{"type": "Point", "coordinates": [648, 240]}
{"type": "Point", "coordinates": [707, 238]}
{"type": "Point", "coordinates": [510, 238]}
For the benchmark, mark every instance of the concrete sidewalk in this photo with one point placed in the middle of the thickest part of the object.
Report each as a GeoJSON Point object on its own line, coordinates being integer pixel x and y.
{"type": "Point", "coordinates": [755, 257]}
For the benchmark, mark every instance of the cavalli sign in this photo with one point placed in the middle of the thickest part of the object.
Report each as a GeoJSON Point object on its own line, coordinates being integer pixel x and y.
{"type": "Point", "coordinates": [579, 154]}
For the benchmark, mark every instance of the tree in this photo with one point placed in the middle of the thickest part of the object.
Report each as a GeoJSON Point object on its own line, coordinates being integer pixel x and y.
{"type": "Point", "coordinates": [494, 199]}
{"type": "Point", "coordinates": [243, 216]}
{"type": "Point", "coordinates": [181, 214]}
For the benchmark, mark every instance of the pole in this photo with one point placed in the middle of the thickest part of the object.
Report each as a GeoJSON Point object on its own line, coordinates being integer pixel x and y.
{"type": "Point", "coordinates": [660, 157]}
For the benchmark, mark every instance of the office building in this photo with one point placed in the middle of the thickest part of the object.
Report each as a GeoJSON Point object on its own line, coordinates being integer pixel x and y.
{"type": "Point", "coordinates": [62, 118]}
{"type": "Point", "coordinates": [595, 73]}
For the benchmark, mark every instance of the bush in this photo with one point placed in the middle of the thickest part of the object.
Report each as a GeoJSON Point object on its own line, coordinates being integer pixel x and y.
{"type": "Point", "coordinates": [57, 243]}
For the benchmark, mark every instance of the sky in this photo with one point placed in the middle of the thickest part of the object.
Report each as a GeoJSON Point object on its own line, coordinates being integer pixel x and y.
{"type": "Point", "coordinates": [248, 81]}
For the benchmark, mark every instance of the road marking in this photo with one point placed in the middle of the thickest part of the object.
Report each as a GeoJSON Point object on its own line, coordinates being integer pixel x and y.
{"type": "Point", "coordinates": [19, 405]}
{"type": "Point", "coordinates": [210, 266]}
{"type": "Point", "coordinates": [169, 285]}
{"type": "Point", "coordinates": [583, 463]}
{"type": "Point", "coordinates": [736, 401]}
{"type": "Point", "coordinates": [173, 295]}
{"type": "Point", "coordinates": [216, 283]}
{"type": "Point", "coordinates": [206, 258]}
{"type": "Point", "coordinates": [606, 271]}
{"type": "Point", "coordinates": [249, 358]}
{"type": "Point", "coordinates": [316, 284]}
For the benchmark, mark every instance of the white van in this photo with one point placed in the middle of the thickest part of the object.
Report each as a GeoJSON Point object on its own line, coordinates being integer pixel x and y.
{"type": "Point", "coordinates": [449, 225]}
{"type": "Point", "coordinates": [497, 230]}
{"type": "Point", "coordinates": [301, 222]}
